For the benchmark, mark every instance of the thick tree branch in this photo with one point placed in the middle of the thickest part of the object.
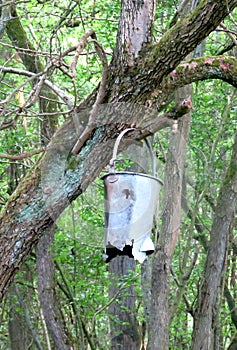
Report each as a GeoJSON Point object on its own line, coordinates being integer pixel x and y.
{"type": "Point", "coordinates": [156, 61]}
{"type": "Point", "coordinates": [60, 177]}
{"type": "Point", "coordinates": [212, 67]}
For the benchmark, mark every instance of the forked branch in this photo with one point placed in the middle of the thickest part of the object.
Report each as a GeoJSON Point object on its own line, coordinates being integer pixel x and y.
{"type": "Point", "coordinates": [99, 98]}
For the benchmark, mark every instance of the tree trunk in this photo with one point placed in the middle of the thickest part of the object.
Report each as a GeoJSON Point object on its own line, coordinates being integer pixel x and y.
{"type": "Point", "coordinates": [171, 218]}
{"type": "Point", "coordinates": [45, 266]}
{"type": "Point", "coordinates": [19, 332]}
{"type": "Point", "coordinates": [162, 59]}
{"type": "Point", "coordinates": [224, 216]}
{"type": "Point", "coordinates": [134, 31]}
{"type": "Point", "coordinates": [26, 327]}
{"type": "Point", "coordinates": [19, 336]}
{"type": "Point", "coordinates": [124, 332]}
{"type": "Point", "coordinates": [47, 292]}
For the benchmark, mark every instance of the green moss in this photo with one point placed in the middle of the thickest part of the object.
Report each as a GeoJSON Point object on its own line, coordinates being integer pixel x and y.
{"type": "Point", "coordinates": [73, 162]}
{"type": "Point", "coordinates": [17, 34]}
{"type": "Point", "coordinates": [231, 175]}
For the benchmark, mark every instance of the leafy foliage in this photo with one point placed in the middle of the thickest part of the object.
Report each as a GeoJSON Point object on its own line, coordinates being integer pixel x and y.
{"type": "Point", "coordinates": [82, 279]}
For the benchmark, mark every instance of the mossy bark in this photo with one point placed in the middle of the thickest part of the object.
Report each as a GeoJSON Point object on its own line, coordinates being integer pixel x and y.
{"type": "Point", "coordinates": [32, 62]}
{"type": "Point", "coordinates": [156, 61]}
{"type": "Point", "coordinates": [42, 196]}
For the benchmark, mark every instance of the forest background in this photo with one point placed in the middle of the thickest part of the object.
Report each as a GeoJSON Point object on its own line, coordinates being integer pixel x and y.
{"type": "Point", "coordinates": [73, 75]}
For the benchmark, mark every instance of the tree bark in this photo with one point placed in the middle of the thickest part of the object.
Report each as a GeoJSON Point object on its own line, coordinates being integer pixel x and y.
{"type": "Point", "coordinates": [47, 293]}
{"type": "Point", "coordinates": [224, 216]}
{"type": "Point", "coordinates": [158, 60]}
{"type": "Point", "coordinates": [134, 31]}
{"type": "Point", "coordinates": [18, 331]}
{"type": "Point", "coordinates": [39, 200]}
{"type": "Point", "coordinates": [124, 327]}
{"type": "Point", "coordinates": [159, 321]}
{"type": "Point", "coordinates": [45, 266]}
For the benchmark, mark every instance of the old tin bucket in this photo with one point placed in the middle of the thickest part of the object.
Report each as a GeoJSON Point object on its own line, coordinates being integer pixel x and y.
{"type": "Point", "coordinates": [131, 200]}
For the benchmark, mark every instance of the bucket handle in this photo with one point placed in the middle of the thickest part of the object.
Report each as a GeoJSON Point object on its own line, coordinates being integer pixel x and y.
{"type": "Point", "coordinates": [115, 151]}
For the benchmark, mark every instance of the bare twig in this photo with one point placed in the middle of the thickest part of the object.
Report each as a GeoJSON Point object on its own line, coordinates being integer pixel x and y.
{"type": "Point", "coordinates": [8, 124]}
{"type": "Point", "coordinates": [168, 119]}
{"type": "Point", "coordinates": [80, 48]}
{"type": "Point", "coordinates": [53, 87]}
{"type": "Point", "coordinates": [232, 19]}
{"type": "Point", "coordinates": [30, 52]}
{"type": "Point", "coordinates": [101, 93]}
{"type": "Point", "coordinates": [22, 155]}
{"type": "Point", "coordinates": [34, 95]}
{"type": "Point", "coordinates": [229, 33]}
{"type": "Point", "coordinates": [99, 98]}
{"type": "Point", "coordinates": [19, 87]}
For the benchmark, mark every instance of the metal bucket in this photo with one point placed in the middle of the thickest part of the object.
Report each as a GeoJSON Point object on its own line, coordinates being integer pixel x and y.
{"type": "Point", "coordinates": [130, 204]}
{"type": "Point", "coordinates": [131, 200]}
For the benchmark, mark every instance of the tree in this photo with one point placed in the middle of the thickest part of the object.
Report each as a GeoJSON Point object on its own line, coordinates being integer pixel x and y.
{"type": "Point", "coordinates": [146, 75]}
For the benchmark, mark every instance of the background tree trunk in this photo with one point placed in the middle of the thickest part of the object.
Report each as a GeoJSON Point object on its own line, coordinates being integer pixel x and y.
{"type": "Point", "coordinates": [47, 105]}
{"type": "Point", "coordinates": [134, 32]}
{"type": "Point", "coordinates": [19, 335]}
{"type": "Point", "coordinates": [211, 281]}
{"type": "Point", "coordinates": [124, 333]}
{"type": "Point", "coordinates": [47, 291]}
{"type": "Point", "coordinates": [26, 329]}
{"type": "Point", "coordinates": [171, 218]}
